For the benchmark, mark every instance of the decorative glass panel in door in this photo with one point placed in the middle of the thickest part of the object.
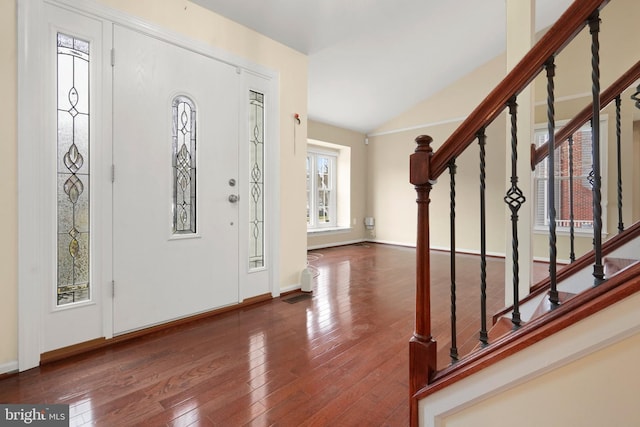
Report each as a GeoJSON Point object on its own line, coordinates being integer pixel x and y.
{"type": "Point", "coordinates": [184, 165]}
{"type": "Point", "coordinates": [256, 181]}
{"type": "Point", "coordinates": [73, 169]}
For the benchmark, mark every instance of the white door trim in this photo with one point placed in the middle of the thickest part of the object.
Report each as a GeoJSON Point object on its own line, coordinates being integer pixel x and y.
{"type": "Point", "coordinates": [32, 256]}
{"type": "Point", "coordinates": [29, 222]}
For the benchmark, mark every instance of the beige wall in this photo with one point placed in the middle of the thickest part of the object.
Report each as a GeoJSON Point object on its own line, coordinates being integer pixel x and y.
{"type": "Point", "coordinates": [8, 185]}
{"type": "Point", "coordinates": [390, 196]}
{"type": "Point", "coordinates": [601, 389]}
{"type": "Point", "coordinates": [391, 199]}
{"type": "Point", "coordinates": [354, 140]}
{"type": "Point", "coordinates": [197, 23]}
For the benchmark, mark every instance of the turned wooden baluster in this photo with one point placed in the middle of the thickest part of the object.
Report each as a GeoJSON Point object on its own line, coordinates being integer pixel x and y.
{"type": "Point", "coordinates": [422, 347]}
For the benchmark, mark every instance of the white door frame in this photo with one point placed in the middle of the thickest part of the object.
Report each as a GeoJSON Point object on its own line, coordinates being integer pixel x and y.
{"type": "Point", "coordinates": [32, 256]}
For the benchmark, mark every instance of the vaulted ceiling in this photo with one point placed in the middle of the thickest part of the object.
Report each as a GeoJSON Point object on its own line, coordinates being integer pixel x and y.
{"type": "Point", "coordinates": [371, 60]}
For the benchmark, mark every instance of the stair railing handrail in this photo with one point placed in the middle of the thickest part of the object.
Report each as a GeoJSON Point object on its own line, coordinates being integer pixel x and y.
{"type": "Point", "coordinates": [426, 166]}
{"type": "Point", "coordinates": [606, 97]}
{"type": "Point", "coordinates": [570, 23]}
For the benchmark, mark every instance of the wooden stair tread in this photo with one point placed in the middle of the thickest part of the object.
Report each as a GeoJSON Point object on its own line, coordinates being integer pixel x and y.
{"type": "Point", "coordinates": [545, 305]}
{"type": "Point", "coordinates": [502, 327]}
{"type": "Point", "coordinates": [615, 265]}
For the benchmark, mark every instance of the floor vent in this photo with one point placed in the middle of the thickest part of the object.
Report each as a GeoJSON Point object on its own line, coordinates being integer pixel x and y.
{"type": "Point", "coordinates": [296, 298]}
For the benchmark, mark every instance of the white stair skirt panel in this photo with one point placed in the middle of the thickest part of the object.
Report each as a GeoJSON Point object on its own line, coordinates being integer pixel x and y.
{"type": "Point", "coordinates": [607, 327]}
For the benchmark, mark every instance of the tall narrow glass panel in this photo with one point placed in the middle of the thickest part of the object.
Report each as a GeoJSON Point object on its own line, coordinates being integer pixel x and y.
{"type": "Point", "coordinates": [72, 169]}
{"type": "Point", "coordinates": [324, 186]}
{"type": "Point", "coordinates": [184, 165]}
{"type": "Point", "coordinates": [309, 192]}
{"type": "Point", "coordinates": [256, 180]}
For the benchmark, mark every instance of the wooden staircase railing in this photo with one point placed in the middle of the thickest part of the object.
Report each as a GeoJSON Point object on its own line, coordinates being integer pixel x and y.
{"type": "Point", "coordinates": [632, 232]}
{"type": "Point", "coordinates": [612, 93]}
{"type": "Point", "coordinates": [572, 21]}
{"type": "Point", "coordinates": [583, 117]}
{"type": "Point", "coordinates": [426, 166]}
{"type": "Point", "coordinates": [620, 286]}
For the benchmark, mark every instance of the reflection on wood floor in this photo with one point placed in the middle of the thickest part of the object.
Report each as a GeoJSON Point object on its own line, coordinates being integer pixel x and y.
{"type": "Point", "coordinates": [339, 358]}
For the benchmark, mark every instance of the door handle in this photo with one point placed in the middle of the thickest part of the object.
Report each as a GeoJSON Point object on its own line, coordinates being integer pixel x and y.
{"type": "Point", "coordinates": [233, 198]}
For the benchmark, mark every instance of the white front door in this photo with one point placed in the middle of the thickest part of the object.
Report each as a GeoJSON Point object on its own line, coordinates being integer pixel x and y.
{"type": "Point", "coordinates": [175, 168]}
{"type": "Point", "coordinates": [99, 256]}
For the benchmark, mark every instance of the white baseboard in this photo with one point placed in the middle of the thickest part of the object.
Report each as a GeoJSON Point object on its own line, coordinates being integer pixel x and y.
{"type": "Point", "coordinates": [438, 248]}
{"type": "Point", "coordinates": [289, 288]}
{"type": "Point", "coordinates": [331, 245]}
{"type": "Point", "coordinates": [468, 251]}
{"type": "Point", "coordinates": [546, 259]}
{"type": "Point", "coordinates": [391, 242]}
{"type": "Point", "coordinates": [8, 367]}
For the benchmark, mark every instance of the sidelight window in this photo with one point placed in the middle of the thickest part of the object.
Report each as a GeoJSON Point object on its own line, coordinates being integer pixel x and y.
{"type": "Point", "coordinates": [72, 169]}
{"type": "Point", "coordinates": [256, 180]}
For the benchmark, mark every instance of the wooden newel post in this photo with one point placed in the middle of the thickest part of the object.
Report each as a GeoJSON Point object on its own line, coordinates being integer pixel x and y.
{"type": "Point", "coordinates": [422, 348]}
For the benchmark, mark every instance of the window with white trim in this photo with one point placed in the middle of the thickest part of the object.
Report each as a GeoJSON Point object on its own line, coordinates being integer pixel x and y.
{"type": "Point", "coordinates": [582, 189]}
{"type": "Point", "coordinates": [322, 209]}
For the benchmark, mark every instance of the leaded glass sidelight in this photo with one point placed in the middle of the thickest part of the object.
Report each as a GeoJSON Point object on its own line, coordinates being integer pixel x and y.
{"type": "Point", "coordinates": [256, 180]}
{"type": "Point", "coordinates": [72, 169]}
{"type": "Point", "coordinates": [184, 165]}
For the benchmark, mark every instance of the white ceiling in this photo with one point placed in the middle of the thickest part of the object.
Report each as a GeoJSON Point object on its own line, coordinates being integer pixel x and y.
{"type": "Point", "coordinates": [371, 60]}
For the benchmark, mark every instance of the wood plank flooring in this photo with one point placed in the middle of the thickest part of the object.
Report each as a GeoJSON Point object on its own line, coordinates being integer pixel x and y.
{"type": "Point", "coordinates": [339, 358]}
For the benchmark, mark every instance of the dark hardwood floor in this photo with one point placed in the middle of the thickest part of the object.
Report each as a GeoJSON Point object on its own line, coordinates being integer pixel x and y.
{"type": "Point", "coordinates": [339, 358]}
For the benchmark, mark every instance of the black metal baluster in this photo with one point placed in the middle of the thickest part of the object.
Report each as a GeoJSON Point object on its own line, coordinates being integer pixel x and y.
{"type": "Point", "coordinates": [484, 336]}
{"type": "Point", "coordinates": [635, 97]}
{"type": "Point", "coordinates": [453, 352]}
{"type": "Point", "coordinates": [619, 152]}
{"type": "Point", "coordinates": [572, 253]}
{"type": "Point", "coordinates": [598, 269]}
{"type": "Point", "coordinates": [551, 184]}
{"type": "Point", "coordinates": [514, 198]}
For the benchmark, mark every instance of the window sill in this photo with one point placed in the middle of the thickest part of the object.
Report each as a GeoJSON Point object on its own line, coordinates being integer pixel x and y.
{"type": "Point", "coordinates": [579, 232]}
{"type": "Point", "coordinates": [328, 230]}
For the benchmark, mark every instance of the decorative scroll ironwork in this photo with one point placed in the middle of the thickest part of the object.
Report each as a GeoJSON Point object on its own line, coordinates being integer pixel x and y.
{"type": "Point", "coordinates": [453, 352]}
{"type": "Point", "coordinates": [256, 180]}
{"type": "Point", "coordinates": [73, 284]}
{"type": "Point", "coordinates": [551, 184]}
{"type": "Point", "coordinates": [591, 178]}
{"type": "Point", "coordinates": [484, 336]}
{"type": "Point", "coordinates": [514, 199]}
{"type": "Point", "coordinates": [619, 158]}
{"type": "Point", "coordinates": [635, 97]}
{"type": "Point", "coordinates": [184, 165]}
{"type": "Point", "coordinates": [598, 269]}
